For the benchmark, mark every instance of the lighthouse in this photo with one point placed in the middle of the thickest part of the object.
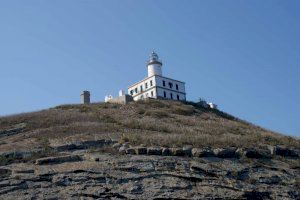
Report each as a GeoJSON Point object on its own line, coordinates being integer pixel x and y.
{"type": "Point", "coordinates": [157, 86]}
{"type": "Point", "coordinates": [154, 65]}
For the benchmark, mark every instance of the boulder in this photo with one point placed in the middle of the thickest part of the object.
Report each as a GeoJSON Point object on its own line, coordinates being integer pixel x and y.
{"type": "Point", "coordinates": [141, 150]}
{"type": "Point", "coordinates": [177, 152]}
{"type": "Point", "coordinates": [206, 152]}
{"type": "Point", "coordinates": [122, 149]}
{"type": "Point", "coordinates": [57, 160]}
{"type": "Point", "coordinates": [166, 152]}
{"type": "Point", "coordinates": [117, 145]}
{"type": "Point", "coordinates": [196, 152]}
{"type": "Point", "coordinates": [130, 151]}
{"type": "Point", "coordinates": [187, 150]}
{"type": "Point", "coordinates": [154, 151]}
{"type": "Point", "coordinates": [5, 172]}
{"type": "Point", "coordinates": [226, 152]}
{"type": "Point", "coordinates": [258, 153]}
{"type": "Point", "coordinates": [285, 152]}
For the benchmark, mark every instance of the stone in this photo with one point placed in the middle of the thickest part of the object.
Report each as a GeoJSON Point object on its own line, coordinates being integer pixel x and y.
{"type": "Point", "coordinates": [130, 151]}
{"type": "Point", "coordinates": [285, 152]}
{"type": "Point", "coordinates": [117, 145]}
{"type": "Point", "coordinates": [205, 152]}
{"type": "Point", "coordinates": [122, 149]}
{"type": "Point", "coordinates": [166, 152]}
{"type": "Point", "coordinates": [187, 150]}
{"type": "Point", "coordinates": [59, 159]}
{"type": "Point", "coordinates": [225, 152]}
{"type": "Point", "coordinates": [177, 152]}
{"type": "Point", "coordinates": [258, 153]}
{"type": "Point", "coordinates": [154, 151]}
{"type": "Point", "coordinates": [141, 150]}
{"type": "Point", "coordinates": [196, 152]}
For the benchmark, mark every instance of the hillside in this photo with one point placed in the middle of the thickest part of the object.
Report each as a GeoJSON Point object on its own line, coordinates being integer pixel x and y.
{"type": "Point", "coordinates": [147, 149]}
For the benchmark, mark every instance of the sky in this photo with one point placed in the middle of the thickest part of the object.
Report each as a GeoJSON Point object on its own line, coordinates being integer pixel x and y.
{"type": "Point", "coordinates": [242, 55]}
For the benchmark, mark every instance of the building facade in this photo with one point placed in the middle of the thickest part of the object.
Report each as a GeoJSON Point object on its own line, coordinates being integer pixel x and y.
{"type": "Point", "coordinates": [155, 85]}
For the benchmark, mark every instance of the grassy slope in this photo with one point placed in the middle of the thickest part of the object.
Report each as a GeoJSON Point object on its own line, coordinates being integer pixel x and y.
{"type": "Point", "coordinates": [151, 122]}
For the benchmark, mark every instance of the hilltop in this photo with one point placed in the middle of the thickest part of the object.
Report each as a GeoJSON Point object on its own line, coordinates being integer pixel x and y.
{"type": "Point", "coordinates": [146, 149]}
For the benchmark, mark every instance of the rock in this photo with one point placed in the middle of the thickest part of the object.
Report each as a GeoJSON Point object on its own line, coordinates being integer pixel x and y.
{"type": "Point", "coordinates": [196, 152]}
{"type": "Point", "coordinates": [225, 153]}
{"type": "Point", "coordinates": [166, 152]}
{"type": "Point", "coordinates": [126, 144]}
{"type": "Point", "coordinates": [122, 149]}
{"type": "Point", "coordinates": [205, 152]}
{"type": "Point", "coordinates": [5, 172]}
{"type": "Point", "coordinates": [130, 151]}
{"type": "Point", "coordinates": [285, 152]}
{"type": "Point", "coordinates": [75, 145]}
{"type": "Point", "coordinates": [239, 152]}
{"type": "Point", "coordinates": [257, 195]}
{"type": "Point", "coordinates": [154, 151]}
{"type": "Point", "coordinates": [57, 160]}
{"type": "Point", "coordinates": [141, 150]}
{"type": "Point", "coordinates": [258, 153]}
{"type": "Point", "coordinates": [187, 150]}
{"type": "Point", "coordinates": [177, 152]}
{"type": "Point", "coordinates": [117, 145]}
{"type": "Point", "coordinates": [270, 180]}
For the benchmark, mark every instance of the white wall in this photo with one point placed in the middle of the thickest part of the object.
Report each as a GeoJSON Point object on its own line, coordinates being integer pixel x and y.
{"type": "Point", "coordinates": [159, 82]}
{"type": "Point", "coordinates": [158, 89]}
{"type": "Point", "coordinates": [154, 69]}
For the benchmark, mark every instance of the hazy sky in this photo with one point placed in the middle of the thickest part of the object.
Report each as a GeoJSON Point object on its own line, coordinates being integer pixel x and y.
{"type": "Point", "coordinates": [242, 55]}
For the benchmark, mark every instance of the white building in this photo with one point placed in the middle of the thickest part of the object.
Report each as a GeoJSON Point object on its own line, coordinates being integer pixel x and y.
{"type": "Point", "coordinates": [156, 85]}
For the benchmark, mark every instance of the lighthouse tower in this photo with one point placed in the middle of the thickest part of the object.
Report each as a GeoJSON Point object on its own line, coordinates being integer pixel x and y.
{"type": "Point", "coordinates": [157, 86]}
{"type": "Point", "coordinates": [154, 65]}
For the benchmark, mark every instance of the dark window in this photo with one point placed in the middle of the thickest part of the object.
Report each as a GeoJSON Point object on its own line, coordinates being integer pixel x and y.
{"type": "Point", "coordinates": [135, 90]}
{"type": "Point", "coordinates": [176, 87]}
{"type": "Point", "coordinates": [151, 83]}
{"type": "Point", "coordinates": [164, 83]}
{"type": "Point", "coordinates": [151, 93]}
{"type": "Point", "coordinates": [165, 95]}
{"type": "Point", "coordinates": [131, 92]}
{"type": "Point", "coordinates": [171, 96]}
{"type": "Point", "coordinates": [141, 88]}
{"type": "Point", "coordinates": [170, 85]}
{"type": "Point", "coordinates": [177, 97]}
{"type": "Point", "coordinates": [146, 85]}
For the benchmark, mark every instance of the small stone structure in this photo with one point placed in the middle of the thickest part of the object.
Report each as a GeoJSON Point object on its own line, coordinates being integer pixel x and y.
{"type": "Point", "coordinates": [85, 97]}
{"type": "Point", "coordinates": [121, 99]}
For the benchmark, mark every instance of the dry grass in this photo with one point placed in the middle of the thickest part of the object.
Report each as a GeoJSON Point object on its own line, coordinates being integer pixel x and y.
{"type": "Point", "coordinates": [149, 122]}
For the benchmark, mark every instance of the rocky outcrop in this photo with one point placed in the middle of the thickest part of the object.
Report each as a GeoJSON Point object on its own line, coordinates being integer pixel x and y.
{"type": "Point", "coordinates": [75, 145]}
{"type": "Point", "coordinates": [59, 159]}
{"type": "Point", "coordinates": [107, 176]}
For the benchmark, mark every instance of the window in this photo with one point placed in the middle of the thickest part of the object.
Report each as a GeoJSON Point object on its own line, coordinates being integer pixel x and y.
{"type": "Point", "coordinates": [164, 83]}
{"type": "Point", "coordinates": [135, 90]}
{"type": "Point", "coordinates": [131, 92]}
{"type": "Point", "coordinates": [151, 93]}
{"type": "Point", "coordinates": [176, 86]}
{"type": "Point", "coordinates": [165, 94]}
{"type": "Point", "coordinates": [171, 96]}
{"type": "Point", "coordinates": [146, 85]}
{"type": "Point", "coordinates": [170, 85]}
{"type": "Point", "coordinates": [178, 97]}
{"type": "Point", "coordinates": [141, 88]}
{"type": "Point", "coordinates": [146, 95]}
{"type": "Point", "coordinates": [151, 83]}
